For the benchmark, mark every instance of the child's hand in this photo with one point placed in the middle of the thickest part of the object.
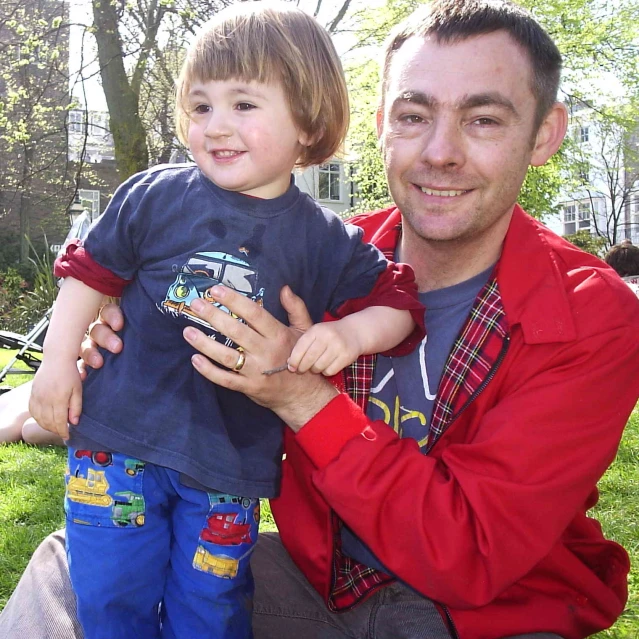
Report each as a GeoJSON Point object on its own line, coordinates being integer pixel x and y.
{"type": "Point", "coordinates": [324, 348]}
{"type": "Point", "coordinates": [56, 397]}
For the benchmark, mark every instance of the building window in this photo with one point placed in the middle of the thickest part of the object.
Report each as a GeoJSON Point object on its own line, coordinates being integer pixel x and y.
{"type": "Point", "coordinates": [76, 121]}
{"type": "Point", "coordinates": [584, 216]}
{"type": "Point", "coordinates": [584, 134]}
{"type": "Point", "coordinates": [90, 201]}
{"type": "Point", "coordinates": [570, 217]}
{"type": "Point", "coordinates": [329, 182]}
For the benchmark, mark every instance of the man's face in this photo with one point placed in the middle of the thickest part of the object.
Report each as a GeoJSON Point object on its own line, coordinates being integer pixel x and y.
{"type": "Point", "coordinates": [457, 134]}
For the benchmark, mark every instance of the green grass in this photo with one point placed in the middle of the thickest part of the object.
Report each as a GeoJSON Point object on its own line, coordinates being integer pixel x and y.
{"type": "Point", "coordinates": [31, 490]}
{"type": "Point", "coordinates": [13, 380]}
{"type": "Point", "coordinates": [618, 512]}
{"type": "Point", "coordinates": [32, 487]}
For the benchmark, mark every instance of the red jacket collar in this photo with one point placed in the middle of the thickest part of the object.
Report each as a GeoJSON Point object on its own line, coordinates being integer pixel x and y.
{"type": "Point", "coordinates": [528, 276]}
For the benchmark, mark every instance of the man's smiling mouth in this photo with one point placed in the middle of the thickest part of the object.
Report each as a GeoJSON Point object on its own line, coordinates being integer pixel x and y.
{"type": "Point", "coordinates": [448, 193]}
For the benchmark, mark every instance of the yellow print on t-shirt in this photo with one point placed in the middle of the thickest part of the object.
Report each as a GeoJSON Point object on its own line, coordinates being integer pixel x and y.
{"type": "Point", "coordinates": [396, 422]}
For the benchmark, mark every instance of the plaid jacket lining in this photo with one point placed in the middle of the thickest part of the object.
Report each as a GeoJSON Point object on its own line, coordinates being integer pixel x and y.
{"type": "Point", "coordinates": [473, 359]}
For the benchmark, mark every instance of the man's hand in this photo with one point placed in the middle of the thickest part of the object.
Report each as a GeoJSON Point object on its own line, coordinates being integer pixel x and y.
{"type": "Point", "coordinates": [102, 333]}
{"type": "Point", "coordinates": [325, 349]}
{"type": "Point", "coordinates": [56, 396]}
{"type": "Point", "coordinates": [266, 344]}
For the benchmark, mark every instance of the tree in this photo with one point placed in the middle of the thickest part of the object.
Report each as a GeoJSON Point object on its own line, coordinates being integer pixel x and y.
{"type": "Point", "coordinates": [33, 106]}
{"type": "Point", "coordinates": [586, 242]}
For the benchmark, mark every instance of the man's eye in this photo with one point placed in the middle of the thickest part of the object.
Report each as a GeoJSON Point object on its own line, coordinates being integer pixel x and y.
{"type": "Point", "coordinates": [411, 118]}
{"type": "Point", "coordinates": [485, 122]}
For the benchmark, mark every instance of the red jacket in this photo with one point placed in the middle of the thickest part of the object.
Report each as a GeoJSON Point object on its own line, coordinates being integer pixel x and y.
{"type": "Point", "coordinates": [490, 521]}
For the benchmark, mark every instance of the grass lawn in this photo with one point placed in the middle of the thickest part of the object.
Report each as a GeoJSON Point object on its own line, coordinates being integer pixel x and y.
{"type": "Point", "coordinates": [32, 486]}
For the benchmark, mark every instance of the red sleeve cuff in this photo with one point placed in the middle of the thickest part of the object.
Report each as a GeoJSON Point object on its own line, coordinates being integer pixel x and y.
{"type": "Point", "coordinates": [77, 263]}
{"type": "Point", "coordinates": [395, 288]}
{"type": "Point", "coordinates": [324, 436]}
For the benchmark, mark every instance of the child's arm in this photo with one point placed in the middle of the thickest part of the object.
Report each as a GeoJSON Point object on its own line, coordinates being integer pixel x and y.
{"type": "Point", "coordinates": [330, 346]}
{"type": "Point", "coordinates": [56, 396]}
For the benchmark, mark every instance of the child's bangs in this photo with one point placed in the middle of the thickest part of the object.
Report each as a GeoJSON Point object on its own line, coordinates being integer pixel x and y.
{"type": "Point", "coordinates": [233, 57]}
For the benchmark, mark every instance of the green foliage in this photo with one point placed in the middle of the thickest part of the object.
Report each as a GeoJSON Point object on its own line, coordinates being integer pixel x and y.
{"type": "Point", "coordinates": [34, 303]}
{"type": "Point", "coordinates": [368, 174]}
{"type": "Point", "coordinates": [587, 242]}
{"type": "Point", "coordinates": [12, 288]}
{"type": "Point", "coordinates": [539, 191]}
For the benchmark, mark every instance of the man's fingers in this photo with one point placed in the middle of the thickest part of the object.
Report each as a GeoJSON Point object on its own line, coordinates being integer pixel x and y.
{"type": "Point", "coordinates": [210, 348]}
{"type": "Point", "coordinates": [103, 335]}
{"type": "Point", "coordinates": [253, 314]}
{"type": "Point", "coordinates": [111, 315]}
{"type": "Point", "coordinates": [298, 316]}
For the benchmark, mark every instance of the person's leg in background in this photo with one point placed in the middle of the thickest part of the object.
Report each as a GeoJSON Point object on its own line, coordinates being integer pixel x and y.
{"type": "Point", "coordinates": [43, 604]}
{"type": "Point", "coordinates": [16, 423]}
{"type": "Point", "coordinates": [14, 411]}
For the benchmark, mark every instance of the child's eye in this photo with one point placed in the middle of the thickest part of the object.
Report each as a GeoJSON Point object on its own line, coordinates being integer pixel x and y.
{"type": "Point", "coordinates": [201, 108]}
{"type": "Point", "coordinates": [245, 106]}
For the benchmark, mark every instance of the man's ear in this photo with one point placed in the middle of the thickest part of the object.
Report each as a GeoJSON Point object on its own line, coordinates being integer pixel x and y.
{"type": "Point", "coordinates": [550, 135]}
{"type": "Point", "coordinates": [379, 116]}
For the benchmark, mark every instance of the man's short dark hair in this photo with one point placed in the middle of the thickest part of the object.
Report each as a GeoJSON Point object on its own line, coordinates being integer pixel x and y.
{"type": "Point", "coordinates": [624, 258]}
{"type": "Point", "coordinates": [452, 21]}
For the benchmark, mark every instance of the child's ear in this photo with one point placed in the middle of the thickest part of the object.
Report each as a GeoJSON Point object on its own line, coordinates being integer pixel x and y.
{"type": "Point", "coordinates": [306, 139]}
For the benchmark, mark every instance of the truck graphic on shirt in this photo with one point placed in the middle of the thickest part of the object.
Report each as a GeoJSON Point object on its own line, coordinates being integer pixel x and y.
{"type": "Point", "coordinates": [203, 271]}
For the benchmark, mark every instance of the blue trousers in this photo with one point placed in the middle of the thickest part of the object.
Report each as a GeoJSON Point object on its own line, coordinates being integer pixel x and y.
{"type": "Point", "coordinates": [151, 558]}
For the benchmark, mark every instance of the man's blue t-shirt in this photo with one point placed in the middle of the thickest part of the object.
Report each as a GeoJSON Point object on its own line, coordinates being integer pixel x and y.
{"type": "Point", "coordinates": [175, 234]}
{"type": "Point", "coordinates": [404, 388]}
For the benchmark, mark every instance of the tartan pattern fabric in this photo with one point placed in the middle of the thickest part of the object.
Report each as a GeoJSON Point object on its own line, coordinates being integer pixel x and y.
{"type": "Point", "coordinates": [352, 581]}
{"type": "Point", "coordinates": [474, 354]}
{"type": "Point", "coordinates": [471, 363]}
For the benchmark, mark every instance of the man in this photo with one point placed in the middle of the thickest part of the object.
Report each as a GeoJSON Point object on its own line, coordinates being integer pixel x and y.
{"type": "Point", "coordinates": [465, 518]}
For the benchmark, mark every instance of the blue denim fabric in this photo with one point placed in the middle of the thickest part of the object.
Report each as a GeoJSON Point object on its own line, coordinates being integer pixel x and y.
{"type": "Point", "coordinates": [151, 558]}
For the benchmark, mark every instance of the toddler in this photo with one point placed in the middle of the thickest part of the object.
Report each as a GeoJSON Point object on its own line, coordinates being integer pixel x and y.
{"type": "Point", "coordinates": [165, 469]}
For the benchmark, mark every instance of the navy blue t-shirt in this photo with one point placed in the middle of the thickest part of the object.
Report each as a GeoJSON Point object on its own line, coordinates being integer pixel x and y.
{"type": "Point", "coordinates": [176, 234]}
{"type": "Point", "coordinates": [404, 388]}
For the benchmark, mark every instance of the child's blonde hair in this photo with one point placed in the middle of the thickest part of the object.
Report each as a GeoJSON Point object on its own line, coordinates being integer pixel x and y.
{"type": "Point", "coordinates": [269, 43]}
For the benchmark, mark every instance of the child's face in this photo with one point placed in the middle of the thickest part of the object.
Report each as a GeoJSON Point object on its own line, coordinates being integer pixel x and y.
{"type": "Point", "coordinates": [242, 136]}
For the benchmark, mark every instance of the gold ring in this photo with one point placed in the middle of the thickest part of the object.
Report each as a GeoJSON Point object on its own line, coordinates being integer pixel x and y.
{"type": "Point", "coordinates": [241, 360]}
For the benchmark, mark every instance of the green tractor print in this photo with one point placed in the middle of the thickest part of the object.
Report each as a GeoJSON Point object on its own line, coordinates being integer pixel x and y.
{"type": "Point", "coordinates": [128, 509]}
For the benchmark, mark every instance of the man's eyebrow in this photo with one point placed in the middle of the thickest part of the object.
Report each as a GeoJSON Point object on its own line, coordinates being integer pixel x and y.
{"type": "Point", "coordinates": [491, 98]}
{"type": "Point", "coordinates": [415, 97]}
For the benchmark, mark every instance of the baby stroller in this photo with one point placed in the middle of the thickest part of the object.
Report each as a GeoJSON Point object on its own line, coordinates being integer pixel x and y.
{"type": "Point", "coordinates": [29, 349]}
{"type": "Point", "coordinates": [29, 346]}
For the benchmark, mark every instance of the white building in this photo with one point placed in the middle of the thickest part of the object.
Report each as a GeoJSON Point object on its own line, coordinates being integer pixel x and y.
{"type": "Point", "coordinates": [601, 195]}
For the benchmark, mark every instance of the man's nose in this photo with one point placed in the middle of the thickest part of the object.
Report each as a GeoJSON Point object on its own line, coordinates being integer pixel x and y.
{"type": "Point", "coordinates": [443, 144]}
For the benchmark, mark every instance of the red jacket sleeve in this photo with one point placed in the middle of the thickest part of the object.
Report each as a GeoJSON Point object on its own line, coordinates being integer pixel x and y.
{"type": "Point", "coordinates": [77, 263]}
{"type": "Point", "coordinates": [395, 288]}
